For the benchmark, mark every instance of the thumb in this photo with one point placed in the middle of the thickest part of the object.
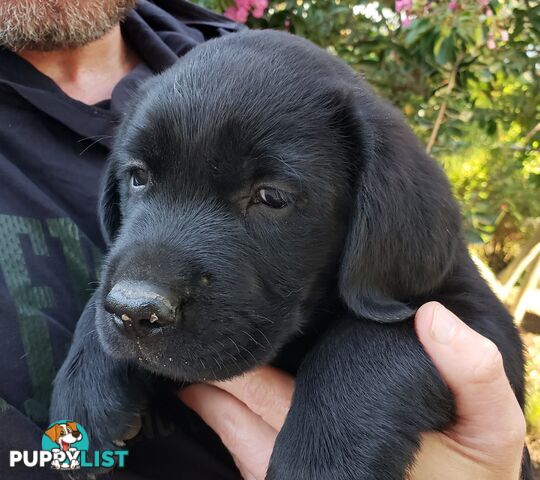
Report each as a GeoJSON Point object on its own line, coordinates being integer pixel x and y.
{"type": "Point", "coordinates": [489, 419]}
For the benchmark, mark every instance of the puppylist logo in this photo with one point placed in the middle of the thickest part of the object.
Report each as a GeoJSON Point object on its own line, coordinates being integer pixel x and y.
{"type": "Point", "coordinates": [64, 446]}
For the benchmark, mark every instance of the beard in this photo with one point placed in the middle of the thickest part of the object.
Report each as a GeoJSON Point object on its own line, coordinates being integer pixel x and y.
{"type": "Point", "coordinates": [47, 25]}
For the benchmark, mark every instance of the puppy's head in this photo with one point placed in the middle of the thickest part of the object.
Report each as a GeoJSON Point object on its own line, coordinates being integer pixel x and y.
{"type": "Point", "coordinates": [249, 184]}
{"type": "Point", "coordinates": [64, 433]}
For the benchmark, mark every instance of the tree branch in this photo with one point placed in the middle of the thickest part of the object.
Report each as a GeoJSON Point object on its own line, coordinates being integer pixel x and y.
{"type": "Point", "coordinates": [444, 106]}
{"type": "Point", "coordinates": [531, 133]}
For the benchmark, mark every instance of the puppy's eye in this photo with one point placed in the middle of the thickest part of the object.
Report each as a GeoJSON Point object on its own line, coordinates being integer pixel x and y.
{"type": "Point", "coordinates": [139, 177]}
{"type": "Point", "coordinates": [272, 197]}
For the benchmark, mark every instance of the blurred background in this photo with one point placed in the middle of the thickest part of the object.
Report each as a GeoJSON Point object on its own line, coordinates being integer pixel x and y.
{"type": "Point", "coordinates": [465, 73]}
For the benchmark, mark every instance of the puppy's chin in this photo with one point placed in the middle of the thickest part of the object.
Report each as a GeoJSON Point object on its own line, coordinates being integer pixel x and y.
{"type": "Point", "coordinates": [176, 356]}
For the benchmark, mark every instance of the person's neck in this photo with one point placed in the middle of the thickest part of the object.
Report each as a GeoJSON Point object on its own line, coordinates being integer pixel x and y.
{"type": "Point", "coordinates": [88, 73]}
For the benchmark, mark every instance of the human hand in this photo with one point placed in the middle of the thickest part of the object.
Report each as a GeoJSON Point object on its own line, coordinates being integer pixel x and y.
{"type": "Point", "coordinates": [247, 413]}
{"type": "Point", "coordinates": [486, 442]}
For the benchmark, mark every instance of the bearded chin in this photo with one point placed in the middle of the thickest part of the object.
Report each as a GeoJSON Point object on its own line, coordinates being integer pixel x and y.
{"type": "Point", "coordinates": [47, 25]}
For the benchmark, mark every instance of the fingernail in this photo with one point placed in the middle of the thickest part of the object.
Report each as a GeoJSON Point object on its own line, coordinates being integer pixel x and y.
{"type": "Point", "coordinates": [443, 325]}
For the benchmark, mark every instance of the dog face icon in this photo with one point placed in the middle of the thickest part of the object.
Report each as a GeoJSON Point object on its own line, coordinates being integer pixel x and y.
{"type": "Point", "coordinates": [64, 434]}
{"type": "Point", "coordinates": [67, 442]}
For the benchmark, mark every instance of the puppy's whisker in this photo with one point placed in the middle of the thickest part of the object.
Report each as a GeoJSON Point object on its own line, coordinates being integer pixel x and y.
{"type": "Point", "coordinates": [264, 336]}
{"type": "Point", "coordinates": [239, 352]}
{"type": "Point", "coordinates": [234, 343]}
{"type": "Point", "coordinates": [233, 358]}
{"type": "Point", "coordinates": [218, 355]}
{"type": "Point", "coordinates": [92, 137]}
{"type": "Point", "coordinates": [262, 317]}
{"type": "Point", "coordinates": [253, 338]}
{"type": "Point", "coordinates": [94, 142]}
{"type": "Point", "coordinates": [251, 354]}
{"type": "Point", "coordinates": [217, 362]}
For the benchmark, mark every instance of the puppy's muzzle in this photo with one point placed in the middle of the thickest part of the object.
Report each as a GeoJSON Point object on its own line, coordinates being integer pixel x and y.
{"type": "Point", "coordinates": [140, 308]}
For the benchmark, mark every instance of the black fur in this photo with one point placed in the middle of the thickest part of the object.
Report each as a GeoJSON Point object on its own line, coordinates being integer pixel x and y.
{"type": "Point", "coordinates": [369, 234]}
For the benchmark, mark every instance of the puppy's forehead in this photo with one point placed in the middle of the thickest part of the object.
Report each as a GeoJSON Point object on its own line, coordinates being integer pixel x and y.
{"type": "Point", "coordinates": [234, 154]}
{"type": "Point", "coordinates": [236, 108]}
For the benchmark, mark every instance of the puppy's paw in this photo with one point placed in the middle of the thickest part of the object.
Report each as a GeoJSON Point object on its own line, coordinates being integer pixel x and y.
{"type": "Point", "coordinates": [109, 420]}
{"type": "Point", "coordinates": [105, 396]}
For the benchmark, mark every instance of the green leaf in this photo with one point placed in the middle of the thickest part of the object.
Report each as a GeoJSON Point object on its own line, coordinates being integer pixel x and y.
{"type": "Point", "coordinates": [473, 237]}
{"type": "Point", "coordinates": [444, 50]}
{"type": "Point", "coordinates": [417, 30]}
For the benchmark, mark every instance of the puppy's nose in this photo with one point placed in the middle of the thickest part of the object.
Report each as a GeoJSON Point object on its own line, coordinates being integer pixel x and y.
{"type": "Point", "coordinates": [141, 307]}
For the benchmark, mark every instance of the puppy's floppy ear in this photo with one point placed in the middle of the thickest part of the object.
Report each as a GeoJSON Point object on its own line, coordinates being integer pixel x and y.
{"type": "Point", "coordinates": [405, 225]}
{"type": "Point", "coordinates": [54, 432]}
{"type": "Point", "coordinates": [72, 425]}
{"type": "Point", "coordinates": [109, 204]}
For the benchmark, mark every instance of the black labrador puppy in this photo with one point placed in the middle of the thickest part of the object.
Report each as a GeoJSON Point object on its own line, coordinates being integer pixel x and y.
{"type": "Point", "coordinates": [259, 194]}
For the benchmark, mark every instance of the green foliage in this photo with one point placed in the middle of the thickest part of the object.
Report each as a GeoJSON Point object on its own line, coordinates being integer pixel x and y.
{"type": "Point", "coordinates": [489, 137]}
{"type": "Point", "coordinates": [533, 387]}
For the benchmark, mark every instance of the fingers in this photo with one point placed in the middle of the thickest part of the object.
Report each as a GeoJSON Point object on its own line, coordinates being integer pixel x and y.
{"type": "Point", "coordinates": [490, 420]}
{"type": "Point", "coordinates": [249, 439]}
{"type": "Point", "coordinates": [246, 412]}
{"type": "Point", "coordinates": [266, 391]}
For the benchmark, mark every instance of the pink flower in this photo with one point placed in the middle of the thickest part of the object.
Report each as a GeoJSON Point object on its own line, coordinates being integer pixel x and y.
{"type": "Point", "coordinates": [230, 13]}
{"type": "Point", "coordinates": [237, 14]}
{"type": "Point", "coordinates": [504, 35]}
{"type": "Point", "coordinates": [483, 3]}
{"type": "Point", "coordinates": [403, 5]}
{"type": "Point", "coordinates": [453, 5]}
{"type": "Point", "coordinates": [489, 12]}
{"type": "Point", "coordinates": [258, 12]}
{"type": "Point", "coordinates": [406, 22]}
{"type": "Point", "coordinates": [259, 3]}
{"type": "Point", "coordinates": [491, 43]}
{"type": "Point", "coordinates": [259, 7]}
